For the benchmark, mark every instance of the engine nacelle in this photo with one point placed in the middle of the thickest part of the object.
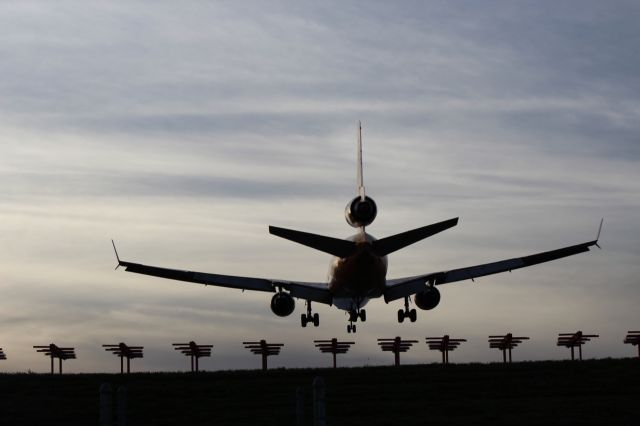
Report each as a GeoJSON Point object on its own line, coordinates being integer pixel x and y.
{"type": "Point", "coordinates": [428, 299]}
{"type": "Point", "coordinates": [360, 212]}
{"type": "Point", "coordinates": [282, 304]}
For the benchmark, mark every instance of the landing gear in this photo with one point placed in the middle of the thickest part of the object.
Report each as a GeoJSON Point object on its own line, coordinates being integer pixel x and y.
{"type": "Point", "coordinates": [309, 317]}
{"type": "Point", "coordinates": [406, 313]}
{"type": "Point", "coordinates": [355, 314]}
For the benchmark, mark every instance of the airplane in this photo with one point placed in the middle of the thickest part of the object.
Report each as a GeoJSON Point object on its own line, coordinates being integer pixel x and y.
{"type": "Point", "coordinates": [358, 269]}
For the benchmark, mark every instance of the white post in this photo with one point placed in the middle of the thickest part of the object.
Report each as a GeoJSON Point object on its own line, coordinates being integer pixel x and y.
{"type": "Point", "coordinates": [121, 411]}
{"type": "Point", "coordinates": [105, 404]}
{"type": "Point", "coordinates": [319, 406]}
{"type": "Point", "coordinates": [299, 406]}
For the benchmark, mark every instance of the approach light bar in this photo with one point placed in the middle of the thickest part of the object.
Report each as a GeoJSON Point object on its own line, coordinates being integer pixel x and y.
{"type": "Point", "coordinates": [54, 351]}
{"type": "Point", "coordinates": [194, 351]}
{"type": "Point", "coordinates": [333, 347]}
{"type": "Point", "coordinates": [506, 343]}
{"type": "Point", "coordinates": [574, 340]}
{"type": "Point", "coordinates": [122, 350]}
{"type": "Point", "coordinates": [444, 344]}
{"type": "Point", "coordinates": [633, 338]}
{"type": "Point", "coordinates": [396, 345]}
{"type": "Point", "coordinates": [264, 349]}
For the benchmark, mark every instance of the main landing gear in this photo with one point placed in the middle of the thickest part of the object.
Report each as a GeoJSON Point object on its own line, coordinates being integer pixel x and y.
{"type": "Point", "coordinates": [309, 317]}
{"type": "Point", "coordinates": [354, 314]}
{"type": "Point", "coordinates": [406, 313]}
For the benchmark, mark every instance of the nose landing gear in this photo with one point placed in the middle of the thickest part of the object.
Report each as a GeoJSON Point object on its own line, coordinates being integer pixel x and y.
{"type": "Point", "coordinates": [309, 317]}
{"type": "Point", "coordinates": [406, 313]}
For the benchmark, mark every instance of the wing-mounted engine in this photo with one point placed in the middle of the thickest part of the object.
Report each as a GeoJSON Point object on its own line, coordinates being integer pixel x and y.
{"type": "Point", "coordinates": [427, 299]}
{"type": "Point", "coordinates": [361, 211]}
{"type": "Point", "coordinates": [282, 304]}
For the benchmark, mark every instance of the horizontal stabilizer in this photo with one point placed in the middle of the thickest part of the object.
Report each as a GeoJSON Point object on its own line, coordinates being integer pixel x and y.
{"type": "Point", "coordinates": [333, 246]}
{"type": "Point", "coordinates": [390, 244]}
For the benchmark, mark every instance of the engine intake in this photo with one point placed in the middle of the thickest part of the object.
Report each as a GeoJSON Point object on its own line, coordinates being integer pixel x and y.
{"type": "Point", "coordinates": [360, 212]}
{"type": "Point", "coordinates": [282, 304]}
{"type": "Point", "coordinates": [428, 299]}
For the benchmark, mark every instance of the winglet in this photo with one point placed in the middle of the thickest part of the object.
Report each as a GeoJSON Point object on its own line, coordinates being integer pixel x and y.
{"type": "Point", "coordinates": [599, 231]}
{"type": "Point", "coordinates": [116, 251]}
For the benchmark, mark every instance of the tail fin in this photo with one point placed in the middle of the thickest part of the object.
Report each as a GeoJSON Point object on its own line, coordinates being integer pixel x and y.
{"type": "Point", "coordinates": [359, 178]}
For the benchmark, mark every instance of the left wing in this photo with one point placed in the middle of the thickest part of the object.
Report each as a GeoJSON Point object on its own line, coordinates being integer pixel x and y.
{"type": "Point", "coordinates": [409, 286]}
{"type": "Point", "coordinates": [315, 292]}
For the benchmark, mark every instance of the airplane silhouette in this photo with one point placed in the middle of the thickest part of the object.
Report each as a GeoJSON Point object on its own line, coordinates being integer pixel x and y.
{"type": "Point", "coordinates": [358, 270]}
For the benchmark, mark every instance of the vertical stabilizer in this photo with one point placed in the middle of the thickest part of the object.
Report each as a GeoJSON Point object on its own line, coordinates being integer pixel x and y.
{"type": "Point", "coordinates": [359, 177]}
{"type": "Point", "coordinates": [362, 210]}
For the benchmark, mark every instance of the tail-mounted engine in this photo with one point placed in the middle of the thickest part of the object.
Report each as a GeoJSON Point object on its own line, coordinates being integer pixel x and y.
{"type": "Point", "coordinates": [282, 304]}
{"type": "Point", "coordinates": [360, 212]}
{"type": "Point", "coordinates": [428, 299]}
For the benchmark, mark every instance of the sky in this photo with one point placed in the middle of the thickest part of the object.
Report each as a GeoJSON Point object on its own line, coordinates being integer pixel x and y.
{"type": "Point", "coordinates": [183, 130]}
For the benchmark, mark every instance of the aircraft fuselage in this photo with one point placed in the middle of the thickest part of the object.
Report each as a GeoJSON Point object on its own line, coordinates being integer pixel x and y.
{"type": "Point", "coordinates": [357, 278]}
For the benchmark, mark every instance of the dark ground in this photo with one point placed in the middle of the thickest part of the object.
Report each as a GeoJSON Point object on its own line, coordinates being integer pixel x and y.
{"type": "Point", "coordinates": [597, 392]}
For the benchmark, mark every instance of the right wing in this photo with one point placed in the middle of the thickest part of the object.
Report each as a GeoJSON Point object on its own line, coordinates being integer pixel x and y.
{"type": "Point", "coordinates": [316, 292]}
{"type": "Point", "coordinates": [409, 286]}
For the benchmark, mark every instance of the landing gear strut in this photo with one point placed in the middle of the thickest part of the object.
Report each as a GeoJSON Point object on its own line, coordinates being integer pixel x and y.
{"type": "Point", "coordinates": [406, 313]}
{"type": "Point", "coordinates": [354, 314]}
{"type": "Point", "coordinates": [309, 317]}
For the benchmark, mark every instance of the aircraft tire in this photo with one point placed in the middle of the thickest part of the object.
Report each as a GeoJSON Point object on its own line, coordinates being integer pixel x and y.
{"type": "Point", "coordinates": [413, 315]}
{"type": "Point", "coordinates": [363, 315]}
{"type": "Point", "coordinates": [316, 320]}
{"type": "Point", "coordinates": [303, 320]}
{"type": "Point", "coordinates": [400, 316]}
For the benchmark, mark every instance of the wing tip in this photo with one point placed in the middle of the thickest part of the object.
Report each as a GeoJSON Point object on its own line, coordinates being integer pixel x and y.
{"type": "Point", "coordinates": [599, 232]}
{"type": "Point", "coordinates": [116, 252]}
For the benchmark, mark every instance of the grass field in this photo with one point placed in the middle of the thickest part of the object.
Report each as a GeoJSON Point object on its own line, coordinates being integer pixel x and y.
{"type": "Point", "coordinates": [602, 392]}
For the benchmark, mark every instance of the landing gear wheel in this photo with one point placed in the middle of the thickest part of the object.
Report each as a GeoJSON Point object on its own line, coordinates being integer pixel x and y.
{"type": "Point", "coordinates": [413, 315]}
{"type": "Point", "coordinates": [309, 317]}
{"type": "Point", "coordinates": [363, 315]}
{"type": "Point", "coordinates": [349, 328]}
{"type": "Point", "coordinates": [406, 313]}
{"type": "Point", "coordinates": [353, 328]}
